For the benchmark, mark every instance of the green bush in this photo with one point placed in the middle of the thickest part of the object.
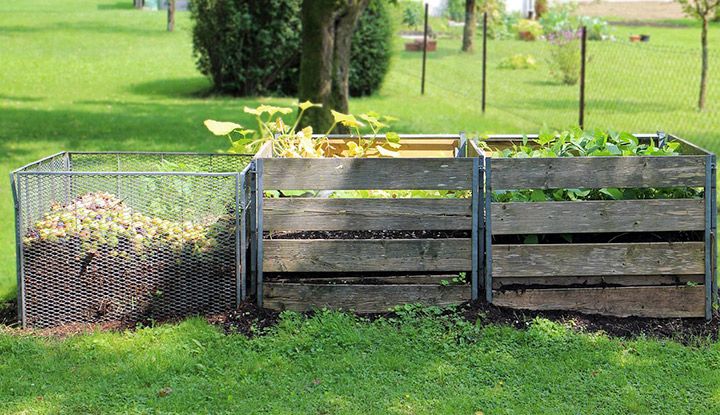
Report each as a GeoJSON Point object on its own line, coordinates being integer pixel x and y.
{"type": "Point", "coordinates": [371, 49]}
{"type": "Point", "coordinates": [252, 47]}
{"type": "Point", "coordinates": [248, 47]}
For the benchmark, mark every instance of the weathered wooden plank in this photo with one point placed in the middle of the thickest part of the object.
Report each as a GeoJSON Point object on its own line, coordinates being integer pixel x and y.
{"type": "Point", "coordinates": [597, 172]}
{"type": "Point", "coordinates": [687, 301]}
{"type": "Point", "coordinates": [591, 216]}
{"type": "Point", "coordinates": [549, 260]}
{"type": "Point", "coordinates": [370, 279]}
{"type": "Point", "coordinates": [372, 173]}
{"type": "Point", "coordinates": [360, 298]}
{"type": "Point", "coordinates": [621, 280]}
{"type": "Point", "coordinates": [366, 214]}
{"type": "Point", "coordinates": [366, 255]}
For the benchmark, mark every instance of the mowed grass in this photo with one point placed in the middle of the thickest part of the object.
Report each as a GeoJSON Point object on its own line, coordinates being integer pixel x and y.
{"type": "Point", "coordinates": [334, 363]}
{"type": "Point", "coordinates": [79, 75]}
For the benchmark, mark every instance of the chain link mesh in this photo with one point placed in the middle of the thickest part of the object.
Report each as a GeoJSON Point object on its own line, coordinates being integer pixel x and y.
{"type": "Point", "coordinates": [128, 236]}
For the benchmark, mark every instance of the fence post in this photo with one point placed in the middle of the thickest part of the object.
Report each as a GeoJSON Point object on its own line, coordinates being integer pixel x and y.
{"type": "Point", "coordinates": [583, 61]}
{"type": "Point", "coordinates": [484, 62]}
{"type": "Point", "coordinates": [425, 38]}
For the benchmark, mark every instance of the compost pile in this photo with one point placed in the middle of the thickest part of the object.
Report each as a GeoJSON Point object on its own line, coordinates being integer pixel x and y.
{"type": "Point", "coordinates": [96, 259]}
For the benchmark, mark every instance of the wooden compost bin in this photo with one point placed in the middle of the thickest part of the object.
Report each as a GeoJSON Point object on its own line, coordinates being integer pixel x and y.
{"type": "Point", "coordinates": [645, 278]}
{"type": "Point", "coordinates": [369, 275]}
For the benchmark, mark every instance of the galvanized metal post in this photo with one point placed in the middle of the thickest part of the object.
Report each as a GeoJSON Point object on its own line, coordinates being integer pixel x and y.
{"type": "Point", "coordinates": [481, 217]}
{"type": "Point", "coordinates": [583, 61]}
{"type": "Point", "coordinates": [713, 230]}
{"type": "Point", "coordinates": [239, 239]}
{"type": "Point", "coordinates": [14, 182]}
{"type": "Point", "coordinates": [259, 228]}
{"type": "Point", "coordinates": [475, 228]}
{"type": "Point", "coordinates": [462, 145]}
{"type": "Point", "coordinates": [424, 58]}
{"type": "Point", "coordinates": [484, 62]}
{"type": "Point", "coordinates": [252, 176]}
{"type": "Point", "coordinates": [488, 230]}
{"type": "Point", "coordinates": [709, 248]}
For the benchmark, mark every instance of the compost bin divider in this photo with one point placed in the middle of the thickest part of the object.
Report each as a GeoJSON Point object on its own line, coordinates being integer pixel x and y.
{"type": "Point", "coordinates": [14, 179]}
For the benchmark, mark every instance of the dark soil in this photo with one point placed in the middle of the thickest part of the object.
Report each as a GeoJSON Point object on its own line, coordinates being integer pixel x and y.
{"type": "Point", "coordinates": [248, 319]}
{"type": "Point", "coordinates": [8, 313]}
{"type": "Point", "coordinates": [252, 321]}
{"type": "Point", "coordinates": [370, 235]}
{"type": "Point", "coordinates": [684, 330]}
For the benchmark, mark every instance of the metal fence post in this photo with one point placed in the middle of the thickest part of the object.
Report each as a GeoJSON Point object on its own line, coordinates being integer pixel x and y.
{"type": "Point", "coordinates": [709, 248]}
{"type": "Point", "coordinates": [484, 62]}
{"type": "Point", "coordinates": [14, 181]}
{"type": "Point", "coordinates": [424, 58]}
{"type": "Point", "coordinates": [475, 258]}
{"type": "Point", "coordinates": [583, 61]}
{"type": "Point", "coordinates": [488, 230]}
{"type": "Point", "coordinates": [259, 229]}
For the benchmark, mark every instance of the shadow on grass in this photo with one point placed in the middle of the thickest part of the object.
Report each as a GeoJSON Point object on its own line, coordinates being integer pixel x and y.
{"type": "Point", "coordinates": [88, 28]}
{"type": "Point", "coordinates": [120, 5]}
{"type": "Point", "coordinates": [195, 87]}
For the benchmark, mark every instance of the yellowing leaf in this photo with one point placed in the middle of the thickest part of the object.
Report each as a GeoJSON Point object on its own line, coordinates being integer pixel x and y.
{"type": "Point", "coordinates": [347, 120]}
{"type": "Point", "coordinates": [252, 111]}
{"type": "Point", "coordinates": [307, 104]}
{"type": "Point", "coordinates": [221, 127]}
{"type": "Point", "coordinates": [387, 153]}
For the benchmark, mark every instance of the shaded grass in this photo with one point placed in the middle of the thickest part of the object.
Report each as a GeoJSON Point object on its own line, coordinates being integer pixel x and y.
{"type": "Point", "coordinates": [334, 363]}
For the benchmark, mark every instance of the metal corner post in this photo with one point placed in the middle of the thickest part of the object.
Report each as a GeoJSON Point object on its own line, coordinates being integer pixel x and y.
{"type": "Point", "coordinates": [713, 229]}
{"type": "Point", "coordinates": [14, 181]}
{"type": "Point", "coordinates": [251, 179]}
{"type": "Point", "coordinates": [462, 145]}
{"type": "Point", "coordinates": [259, 228]}
{"type": "Point", "coordinates": [475, 257]}
{"type": "Point", "coordinates": [488, 230]}
{"type": "Point", "coordinates": [710, 207]}
{"type": "Point", "coordinates": [239, 238]}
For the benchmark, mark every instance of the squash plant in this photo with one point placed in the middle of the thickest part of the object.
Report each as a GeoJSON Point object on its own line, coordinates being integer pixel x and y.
{"type": "Point", "coordinates": [578, 143]}
{"type": "Point", "coordinates": [289, 140]}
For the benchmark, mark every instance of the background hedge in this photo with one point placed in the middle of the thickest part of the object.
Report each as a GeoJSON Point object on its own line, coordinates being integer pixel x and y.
{"type": "Point", "coordinates": [252, 47]}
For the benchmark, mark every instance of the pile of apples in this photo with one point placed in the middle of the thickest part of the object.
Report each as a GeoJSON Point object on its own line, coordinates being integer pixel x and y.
{"type": "Point", "coordinates": [101, 218]}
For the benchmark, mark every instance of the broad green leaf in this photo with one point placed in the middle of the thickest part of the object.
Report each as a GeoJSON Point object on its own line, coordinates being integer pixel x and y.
{"type": "Point", "coordinates": [307, 105]}
{"type": "Point", "coordinates": [221, 127]}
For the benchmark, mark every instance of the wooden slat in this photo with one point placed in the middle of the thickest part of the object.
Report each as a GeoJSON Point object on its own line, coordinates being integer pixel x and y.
{"type": "Point", "coordinates": [422, 148]}
{"type": "Point", "coordinates": [365, 255]}
{"type": "Point", "coordinates": [360, 298]}
{"type": "Point", "coordinates": [473, 149]}
{"type": "Point", "coordinates": [593, 216]}
{"type": "Point", "coordinates": [656, 258]}
{"type": "Point", "coordinates": [264, 151]}
{"type": "Point", "coordinates": [372, 279]}
{"type": "Point", "coordinates": [688, 301]}
{"type": "Point", "coordinates": [350, 173]}
{"type": "Point", "coordinates": [623, 280]}
{"type": "Point", "coordinates": [366, 214]}
{"type": "Point", "coordinates": [597, 172]}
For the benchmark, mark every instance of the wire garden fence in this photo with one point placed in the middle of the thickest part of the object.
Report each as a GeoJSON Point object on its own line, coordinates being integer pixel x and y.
{"type": "Point", "coordinates": [129, 236]}
{"type": "Point", "coordinates": [631, 86]}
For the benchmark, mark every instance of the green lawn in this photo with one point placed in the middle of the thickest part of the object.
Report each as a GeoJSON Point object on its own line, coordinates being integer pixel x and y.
{"type": "Point", "coordinates": [80, 75]}
{"type": "Point", "coordinates": [335, 364]}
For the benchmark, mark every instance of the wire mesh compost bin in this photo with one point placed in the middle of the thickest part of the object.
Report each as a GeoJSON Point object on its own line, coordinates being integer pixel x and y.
{"type": "Point", "coordinates": [129, 236]}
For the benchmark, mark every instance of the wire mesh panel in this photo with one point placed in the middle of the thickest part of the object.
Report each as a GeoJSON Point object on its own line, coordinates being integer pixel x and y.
{"type": "Point", "coordinates": [128, 236]}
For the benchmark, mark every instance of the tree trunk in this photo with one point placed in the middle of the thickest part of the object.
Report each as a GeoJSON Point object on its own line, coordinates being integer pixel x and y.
{"type": "Point", "coordinates": [325, 64]}
{"type": "Point", "coordinates": [138, 4]}
{"type": "Point", "coordinates": [470, 25]}
{"type": "Point", "coordinates": [704, 69]}
{"type": "Point", "coordinates": [171, 16]}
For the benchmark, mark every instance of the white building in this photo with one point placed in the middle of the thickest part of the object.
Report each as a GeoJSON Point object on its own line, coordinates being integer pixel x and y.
{"type": "Point", "coordinates": [524, 7]}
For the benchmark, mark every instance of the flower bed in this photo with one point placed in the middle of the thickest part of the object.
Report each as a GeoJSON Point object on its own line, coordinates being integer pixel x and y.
{"type": "Point", "coordinates": [607, 224]}
{"type": "Point", "coordinates": [128, 236]}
